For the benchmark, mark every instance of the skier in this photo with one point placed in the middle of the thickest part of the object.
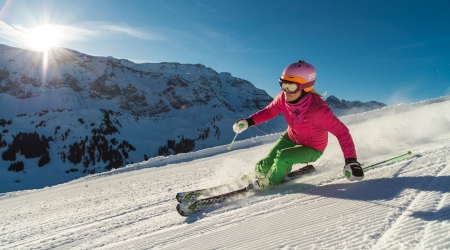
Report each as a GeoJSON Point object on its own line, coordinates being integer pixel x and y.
{"type": "Point", "coordinates": [309, 120]}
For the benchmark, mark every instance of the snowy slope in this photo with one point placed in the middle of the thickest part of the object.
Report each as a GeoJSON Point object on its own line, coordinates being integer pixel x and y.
{"type": "Point", "coordinates": [87, 114]}
{"type": "Point", "coordinates": [400, 205]}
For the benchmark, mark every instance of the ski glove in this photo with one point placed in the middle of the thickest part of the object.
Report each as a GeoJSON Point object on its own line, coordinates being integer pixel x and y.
{"type": "Point", "coordinates": [242, 124]}
{"type": "Point", "coordinates": [353, 170]}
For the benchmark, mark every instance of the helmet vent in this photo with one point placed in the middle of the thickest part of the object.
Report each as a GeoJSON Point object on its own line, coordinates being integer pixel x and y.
{"type": "Point", "coordinates": [300, 63]}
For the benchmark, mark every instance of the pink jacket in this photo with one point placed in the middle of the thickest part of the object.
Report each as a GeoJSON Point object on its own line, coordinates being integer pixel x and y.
{"type": "Point", "coordinates": [313, 130]}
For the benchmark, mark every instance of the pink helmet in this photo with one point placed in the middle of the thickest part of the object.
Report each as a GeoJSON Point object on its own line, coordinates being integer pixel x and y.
{"type": "Point", "coordinates": [300, 72]}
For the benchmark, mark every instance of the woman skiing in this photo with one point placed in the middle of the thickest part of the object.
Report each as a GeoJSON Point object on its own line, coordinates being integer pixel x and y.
{"type": "Point", "coordinates": [309, 120]}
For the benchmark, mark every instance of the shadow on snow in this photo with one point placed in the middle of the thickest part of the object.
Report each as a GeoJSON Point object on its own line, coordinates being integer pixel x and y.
{"type": "Point", "coordinates": [368, 190]}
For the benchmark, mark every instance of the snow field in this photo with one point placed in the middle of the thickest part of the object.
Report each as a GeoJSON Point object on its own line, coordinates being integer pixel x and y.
{"type": "Point", "coordinates": [404, 204]}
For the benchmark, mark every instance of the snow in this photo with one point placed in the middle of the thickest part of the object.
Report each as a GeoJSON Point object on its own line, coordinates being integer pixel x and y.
{"type": "Point", "coordinates": [404, 204]}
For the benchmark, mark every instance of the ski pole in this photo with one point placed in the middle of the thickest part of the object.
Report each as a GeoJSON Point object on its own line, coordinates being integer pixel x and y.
{"type": "Point", "coordinates": [264, 132]}
{"type": "Point", "coordinates": [408, 153]}
{"type": "Point", "coordinates": [229, 147]}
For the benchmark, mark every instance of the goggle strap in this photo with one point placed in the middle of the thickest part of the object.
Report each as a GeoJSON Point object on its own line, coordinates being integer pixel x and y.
{"type": "Point", "coordinates": [302, 86]}
{"type": "Point", "coordinates": [307, 85]}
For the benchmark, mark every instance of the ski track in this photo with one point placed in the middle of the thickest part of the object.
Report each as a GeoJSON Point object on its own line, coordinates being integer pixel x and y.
{"type": "Point", "coordinates": [395, 217]}
{"type": "Point", "coordinates": [100, 218]}
{"type": "Point", "coordinates": [417, 222]}
{"type": "Point", "coordinates": [385, 225]}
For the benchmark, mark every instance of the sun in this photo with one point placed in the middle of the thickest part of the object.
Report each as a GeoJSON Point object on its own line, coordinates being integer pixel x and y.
{"type": "Point", "coordinates": [44, 37]}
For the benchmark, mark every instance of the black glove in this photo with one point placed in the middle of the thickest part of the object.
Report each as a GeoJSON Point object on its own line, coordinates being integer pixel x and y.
{"type": "Point", "coordinates": [353, 170]}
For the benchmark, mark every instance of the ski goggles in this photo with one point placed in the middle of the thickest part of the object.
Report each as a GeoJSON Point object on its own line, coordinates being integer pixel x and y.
{"type": "Point", "coordinates": [293, 87]}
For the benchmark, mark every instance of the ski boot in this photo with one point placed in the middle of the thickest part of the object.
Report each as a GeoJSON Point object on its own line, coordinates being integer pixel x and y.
{"type": "Point", "coordinates": [262, 183]}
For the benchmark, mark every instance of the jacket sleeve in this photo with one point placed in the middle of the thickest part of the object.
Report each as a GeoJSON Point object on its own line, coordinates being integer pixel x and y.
{"type": "Point", "coordinates": [327, 120]}
{"type": "Point", "coordinates": [270, 111]}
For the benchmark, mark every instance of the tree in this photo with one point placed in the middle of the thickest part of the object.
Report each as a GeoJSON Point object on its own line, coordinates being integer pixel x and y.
{"type": "Point", "coordinates": [17, 166]}
{"type": "Point", "coordinates": [44, 160]}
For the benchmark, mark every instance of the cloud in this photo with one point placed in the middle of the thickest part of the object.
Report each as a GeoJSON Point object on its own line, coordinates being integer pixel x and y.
{"type": "Point", "coordinates": [15, 34]}
{"type": "Point", "coordinates": [124, 28]}
{"type": "Point", "coordinates": [422, 44]}
{"type": "Point", "coordinates": [78, 32]}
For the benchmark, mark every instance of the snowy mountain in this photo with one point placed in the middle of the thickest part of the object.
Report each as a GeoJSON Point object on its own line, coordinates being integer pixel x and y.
{"type": "Point", "coordinates": [343, 107]}
{"type": "Point", "coordinates": [82, 114]}
{"type": "Point", "coordinates": [403, 204]}
{"type": "Point", "coordinates": [68, 114]}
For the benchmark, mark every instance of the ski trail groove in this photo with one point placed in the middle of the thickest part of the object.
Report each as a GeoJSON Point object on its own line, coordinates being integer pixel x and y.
{"type": "Point", "coordinates": [411, 225]}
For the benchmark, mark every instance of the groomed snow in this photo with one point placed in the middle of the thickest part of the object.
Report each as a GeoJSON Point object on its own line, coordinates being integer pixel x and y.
{"type": "Point", "coordinates": [404, 204]}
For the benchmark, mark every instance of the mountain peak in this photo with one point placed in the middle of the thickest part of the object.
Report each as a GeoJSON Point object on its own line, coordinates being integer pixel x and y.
{"type": "Point", "coordinates": [343, 107]}
{"type": "Point", "coordinates": [107, 81]}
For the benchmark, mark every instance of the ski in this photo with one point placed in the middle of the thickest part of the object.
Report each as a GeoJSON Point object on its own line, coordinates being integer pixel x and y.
{"type": "Point", "coordinates": [193, 206]}
{"type": "Point", "coordinates": [195, 194]}
{"type": "Point", "coordinates": [188, 208]}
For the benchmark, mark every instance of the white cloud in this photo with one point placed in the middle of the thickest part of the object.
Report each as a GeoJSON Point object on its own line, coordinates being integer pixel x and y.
{"type": "Point", "coordinates": [16, 34]}
{"type": "Point", "coordinates": [124, 28]}
{"type": "Point", "coordinates": [422, 44]}
{"type": "Point", "coordinates": [78, 32]}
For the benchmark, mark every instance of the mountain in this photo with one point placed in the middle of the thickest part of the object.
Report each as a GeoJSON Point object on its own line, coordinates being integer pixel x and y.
{"type": "Point", "coordinates": [75, 80]}
{"type": "Point", "coordinates": [72, 113]}
{"type": "Point", "coordinates": [343, 107]}
{"type": "Point", "coordinates": [69, 112]}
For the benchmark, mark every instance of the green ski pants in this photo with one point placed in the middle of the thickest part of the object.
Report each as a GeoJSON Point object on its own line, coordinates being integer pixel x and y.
{"type": "Point", "coordinates": [278, 163]}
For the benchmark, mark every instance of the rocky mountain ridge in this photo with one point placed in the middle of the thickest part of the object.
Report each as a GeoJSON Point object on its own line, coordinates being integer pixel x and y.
{"type": "Point", "coordinates": [343, 107]}
{"type": "Point", "coordinates": [147, 89]}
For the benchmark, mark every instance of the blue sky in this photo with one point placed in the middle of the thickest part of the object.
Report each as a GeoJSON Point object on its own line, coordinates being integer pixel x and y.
{"type": "Point", "coordinates": [389, 51]}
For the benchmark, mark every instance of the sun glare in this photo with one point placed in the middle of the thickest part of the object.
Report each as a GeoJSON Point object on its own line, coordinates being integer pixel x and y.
{"type": "Point", "coordinates": [44, 38]}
